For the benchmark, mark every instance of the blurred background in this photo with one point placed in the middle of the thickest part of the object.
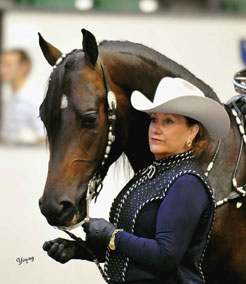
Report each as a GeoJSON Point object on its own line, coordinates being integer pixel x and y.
{"type": "Point", "coordinates": [208, 37]}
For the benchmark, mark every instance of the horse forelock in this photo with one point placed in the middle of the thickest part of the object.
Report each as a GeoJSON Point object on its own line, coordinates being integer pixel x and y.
{"type": "Point", "coordinates": [53, 103]}
{"type": "Point", "coordinates": [50, 110]}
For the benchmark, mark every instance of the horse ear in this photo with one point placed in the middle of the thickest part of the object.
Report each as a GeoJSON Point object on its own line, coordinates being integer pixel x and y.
{"type": "Point", "coordinates": [50, 52]}
{"type": "Point", "coordinates": [90, 47]}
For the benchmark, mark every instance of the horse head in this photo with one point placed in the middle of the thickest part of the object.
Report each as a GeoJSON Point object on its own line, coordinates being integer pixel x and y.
{"type": "Point", "coordinates": [75, 115]}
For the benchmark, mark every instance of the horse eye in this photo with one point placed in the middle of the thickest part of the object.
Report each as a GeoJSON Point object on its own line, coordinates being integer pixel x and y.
{"type": "Point", "coordinates": [89, 120]}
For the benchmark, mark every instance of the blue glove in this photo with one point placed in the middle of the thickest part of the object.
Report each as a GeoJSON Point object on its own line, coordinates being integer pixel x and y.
{"type": "Point", "coordinates": [98, 231]}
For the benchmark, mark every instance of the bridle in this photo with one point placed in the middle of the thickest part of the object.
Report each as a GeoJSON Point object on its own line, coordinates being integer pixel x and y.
{"type": "Point", "coordinates": [95, 183]}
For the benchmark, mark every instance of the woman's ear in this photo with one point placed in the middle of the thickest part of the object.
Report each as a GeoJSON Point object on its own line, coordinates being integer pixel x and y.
{"type": "Point", "coordinates": [193, 131]}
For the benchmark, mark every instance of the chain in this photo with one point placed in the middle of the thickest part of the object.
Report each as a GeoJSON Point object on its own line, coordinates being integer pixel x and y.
{"type": "Point", "coordinates": [90, 252]}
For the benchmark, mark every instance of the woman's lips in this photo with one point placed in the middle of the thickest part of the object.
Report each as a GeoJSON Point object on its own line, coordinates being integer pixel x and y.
{"type": "Point", "coordinates": [155, 139]}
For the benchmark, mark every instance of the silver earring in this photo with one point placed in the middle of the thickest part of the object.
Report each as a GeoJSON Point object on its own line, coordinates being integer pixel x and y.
{"type": "Point", "coordinates": [188, 143]}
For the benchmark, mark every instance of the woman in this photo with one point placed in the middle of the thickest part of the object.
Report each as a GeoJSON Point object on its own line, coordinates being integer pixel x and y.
{"type": "Point", "coordinates": [161, 220]}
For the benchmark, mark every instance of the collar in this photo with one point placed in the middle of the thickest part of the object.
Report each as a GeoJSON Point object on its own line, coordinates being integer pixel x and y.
{"type": "Point", "coordinates": [165, 163]}
{"type": "Point", "coordinates": [171, 160]}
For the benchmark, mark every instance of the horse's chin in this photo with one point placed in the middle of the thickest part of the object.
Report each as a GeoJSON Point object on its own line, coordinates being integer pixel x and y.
{"type": "Point", "coordinates": [77, 221]}
{"type": "Point", "coordinates": [70, 227]}
{"type": "Point", "coordinates": [72, 221]}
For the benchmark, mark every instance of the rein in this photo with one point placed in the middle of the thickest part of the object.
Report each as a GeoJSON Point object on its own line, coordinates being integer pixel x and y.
{"type": "Point", "coordinates": [239, 191]}
{"type": "Point", "coordinates": [235, 105]}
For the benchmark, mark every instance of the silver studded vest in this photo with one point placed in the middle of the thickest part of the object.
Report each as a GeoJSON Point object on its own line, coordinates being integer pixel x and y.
{"type": "Point", "coordinates": [149, 184]}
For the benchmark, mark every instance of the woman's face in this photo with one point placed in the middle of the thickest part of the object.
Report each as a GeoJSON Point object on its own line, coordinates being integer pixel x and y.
{"type": "Point", "coordinates": [168, 134]}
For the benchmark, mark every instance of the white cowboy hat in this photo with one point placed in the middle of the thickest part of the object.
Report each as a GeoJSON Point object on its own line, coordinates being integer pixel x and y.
{"type": "Point", "coordinates": [177, 96]}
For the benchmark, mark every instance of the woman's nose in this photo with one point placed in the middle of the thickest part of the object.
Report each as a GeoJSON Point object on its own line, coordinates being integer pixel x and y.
{"type": "Point", "coordinates": [156, 128]}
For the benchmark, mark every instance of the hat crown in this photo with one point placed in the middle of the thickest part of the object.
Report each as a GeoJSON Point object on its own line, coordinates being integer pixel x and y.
{"type": "Point", "coordinates": [172, 88]}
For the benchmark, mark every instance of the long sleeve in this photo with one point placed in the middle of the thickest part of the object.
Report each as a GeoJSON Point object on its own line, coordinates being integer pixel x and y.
{"type": "Point", "coordinates": [177, 219]}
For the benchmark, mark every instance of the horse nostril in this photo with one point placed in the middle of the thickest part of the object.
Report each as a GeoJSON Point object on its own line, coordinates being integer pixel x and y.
{"type": "Point", "coordinates": [57, 211]}
{"type": "Point", "coordinates": [66, 210]}
{"type": "Point", "coordinates": [66, 206]}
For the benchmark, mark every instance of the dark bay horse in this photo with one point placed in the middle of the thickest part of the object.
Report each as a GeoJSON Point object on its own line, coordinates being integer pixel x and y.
{"type": "Point", "coordinates": [75, 113]}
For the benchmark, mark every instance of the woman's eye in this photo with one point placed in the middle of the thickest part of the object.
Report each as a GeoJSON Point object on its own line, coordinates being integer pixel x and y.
{"type": "Point", "coordinates": [153, 119]}
{"type": "Point", "coordinates": [169, 121]}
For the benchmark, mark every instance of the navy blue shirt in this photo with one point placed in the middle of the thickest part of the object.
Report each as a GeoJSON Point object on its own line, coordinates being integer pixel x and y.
{"type": "Point", "coordinates": [168, 233]}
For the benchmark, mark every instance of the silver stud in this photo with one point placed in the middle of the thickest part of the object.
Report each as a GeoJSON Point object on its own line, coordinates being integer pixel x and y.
{"type": "Point", "coordinates": [111, 100]}
{"type": "Point", "coordinates": [219, 203]}
{"type": "Point", "coordinates": [108, 148]}
{"type": "Point", "coordinates": [239, 204]}
{"type": "Point", "coordinates": [210, 166]}
{"type": "Point", "coordinates": [64, 102]}
{"type": "Point", "coordinates": [59, 60]}
{"type": "Point", "coordinates": [234, 112]}
{"type": "Point", "coordinates": [110, 136]}
{"type": "Point", "coordinates": [238, 120]}
{"type": "Point", "coordinates": [241, 128]}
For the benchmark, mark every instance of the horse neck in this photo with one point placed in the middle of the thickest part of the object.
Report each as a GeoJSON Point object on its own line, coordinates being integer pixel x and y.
{"type": "Point", "coordinates": [126, 74]}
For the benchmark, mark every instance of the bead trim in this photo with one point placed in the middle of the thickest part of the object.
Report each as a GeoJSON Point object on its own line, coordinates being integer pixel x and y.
{"type": "Point", "coordinates": [241, 190]}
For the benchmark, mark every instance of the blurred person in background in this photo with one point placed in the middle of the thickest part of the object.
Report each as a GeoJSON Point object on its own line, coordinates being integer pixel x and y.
{"type": "Point", "coordinates": [20, 115]}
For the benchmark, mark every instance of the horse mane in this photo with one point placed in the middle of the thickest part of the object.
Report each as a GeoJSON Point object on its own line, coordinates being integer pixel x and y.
{"type": "Point", "coordinates": [160, 60]}
{"type": "Point", "coordinates": [50, 110]}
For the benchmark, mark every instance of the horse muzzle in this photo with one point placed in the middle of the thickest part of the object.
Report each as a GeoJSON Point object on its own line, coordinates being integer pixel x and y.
{"type": "Point", "coordinates": [63, 212]}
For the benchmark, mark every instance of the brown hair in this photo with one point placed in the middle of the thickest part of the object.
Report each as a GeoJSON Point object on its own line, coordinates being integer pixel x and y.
{"type": "Point", "coordinates": [23, 56]}
{"type": "Point", "coordinates": [200, 142]}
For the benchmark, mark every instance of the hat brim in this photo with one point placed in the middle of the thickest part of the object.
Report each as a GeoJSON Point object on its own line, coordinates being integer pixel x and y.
{"type": "Point", "coordinates": [207, 111]}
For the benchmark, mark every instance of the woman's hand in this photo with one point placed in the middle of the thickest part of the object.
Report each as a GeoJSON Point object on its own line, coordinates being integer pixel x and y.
{"type": "Point", "coordinates": [98, 231]}
{"type": "Point", "coordinates": [63, 250]}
